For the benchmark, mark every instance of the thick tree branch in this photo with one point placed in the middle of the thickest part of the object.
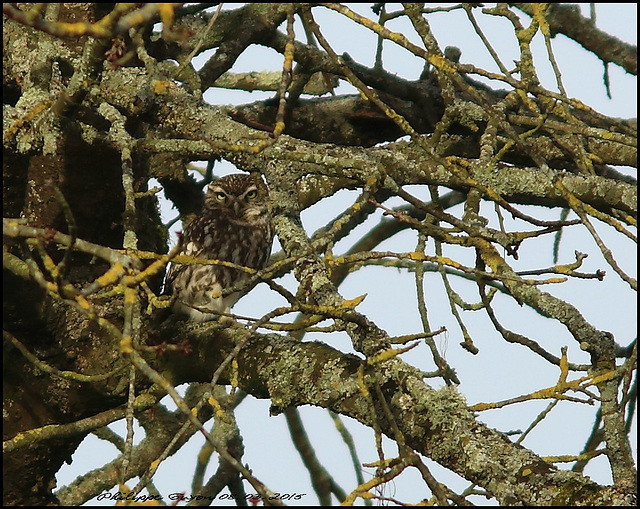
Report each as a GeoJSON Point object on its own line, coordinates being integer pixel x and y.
{"type": "Point", "coordinates": [436, 424]}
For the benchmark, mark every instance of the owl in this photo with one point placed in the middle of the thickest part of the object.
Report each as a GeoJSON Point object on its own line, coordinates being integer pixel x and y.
{"type": "Point", "coordinates": [234, 226]}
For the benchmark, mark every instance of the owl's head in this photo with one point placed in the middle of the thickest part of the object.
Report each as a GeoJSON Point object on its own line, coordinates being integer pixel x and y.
{"type": "Point", "coordinates": [238, 196]}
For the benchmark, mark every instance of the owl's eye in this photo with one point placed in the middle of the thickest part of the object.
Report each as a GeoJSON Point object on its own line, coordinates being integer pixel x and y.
{"type": "Point", "coordinates": [250, 195]}
{"type": "Point", "coordinates": [220, 196]}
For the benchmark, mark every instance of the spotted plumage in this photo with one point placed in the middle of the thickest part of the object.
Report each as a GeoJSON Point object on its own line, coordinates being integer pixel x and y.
{"type": "Point", "coordinates": [234, 226]}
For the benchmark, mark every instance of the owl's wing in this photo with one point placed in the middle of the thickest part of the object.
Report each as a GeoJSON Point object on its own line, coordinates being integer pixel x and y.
{"type": "Point", "coordinates": [192, 245]}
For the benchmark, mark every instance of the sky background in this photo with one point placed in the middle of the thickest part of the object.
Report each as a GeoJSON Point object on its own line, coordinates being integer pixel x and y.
{"type": "Point", "coordinates": [500, 371]}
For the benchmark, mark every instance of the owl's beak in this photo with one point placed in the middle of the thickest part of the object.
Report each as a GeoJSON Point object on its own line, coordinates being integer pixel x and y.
{"type": "Point", "coordinates": [237, 208]}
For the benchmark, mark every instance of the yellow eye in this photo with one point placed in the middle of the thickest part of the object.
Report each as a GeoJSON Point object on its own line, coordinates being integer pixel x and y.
{"type": "Point", "coordinates": [221, 196]}
{"type": "Point", "coordinates": [251, 194]}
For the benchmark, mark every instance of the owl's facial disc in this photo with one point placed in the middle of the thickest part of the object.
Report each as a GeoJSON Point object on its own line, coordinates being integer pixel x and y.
{"type": "Point", "coordinates": [241, 200]}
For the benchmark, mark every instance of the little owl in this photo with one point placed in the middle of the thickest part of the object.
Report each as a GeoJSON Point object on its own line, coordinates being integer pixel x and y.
{"type": "Point", "coordinates": [234, 226]}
